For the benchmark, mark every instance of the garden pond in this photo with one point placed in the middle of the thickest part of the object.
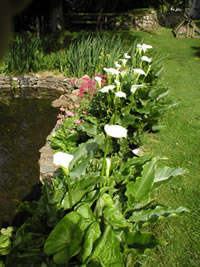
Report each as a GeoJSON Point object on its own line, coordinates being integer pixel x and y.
{"type": "Point", "coordinates": [25, 124]}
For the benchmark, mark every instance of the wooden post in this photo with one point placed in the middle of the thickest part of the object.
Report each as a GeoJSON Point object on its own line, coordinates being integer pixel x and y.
{"type": "Point", "coordinates": [37, 28]}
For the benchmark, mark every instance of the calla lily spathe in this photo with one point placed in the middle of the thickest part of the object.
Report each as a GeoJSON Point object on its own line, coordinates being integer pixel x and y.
{"type": "Point", "coordinates": [107, 88]}
{"type": "Point", "coordinates": [147, 59]}
{"type": "Point", "coordinates": [115, 131]}
{"type": "Point", "coordinates": [62, 159]}
{"type": "Point", "coordinates": [112, 71]}
{"type": "Point", "coordinates": [117, 65]}
{"type": "Point", "coordinates": [135, 86]}
{"type": "Point", "coordinates": [139, 71]}
{"type": "Point", "coordinates": [143, 47]}
{"type": "Point", "coordinates": [127, 56]}
{"type": "Point", "coordinates": [120, 94]}
{"type": "Point", "coordinates": [124, 61]}
{"type": "Point", "coordinates": [98, 79]}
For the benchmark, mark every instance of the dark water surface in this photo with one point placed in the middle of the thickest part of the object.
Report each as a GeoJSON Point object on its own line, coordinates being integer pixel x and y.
{"type": "Point", "coordinates": [24, 126]}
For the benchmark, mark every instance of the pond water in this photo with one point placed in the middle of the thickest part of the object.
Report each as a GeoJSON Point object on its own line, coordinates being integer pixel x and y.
{"type": "Point", "coordinates": [24, 126]}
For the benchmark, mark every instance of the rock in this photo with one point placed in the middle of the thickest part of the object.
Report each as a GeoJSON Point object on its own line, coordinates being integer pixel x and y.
{"type": "Point", "coordinates": [59, 102]}
{"type": "Point", "coordinates": [47, 168]}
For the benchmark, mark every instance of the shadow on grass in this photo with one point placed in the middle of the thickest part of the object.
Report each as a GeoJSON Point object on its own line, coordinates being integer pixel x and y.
{"type": "Point", "coordinates": [196, 51]}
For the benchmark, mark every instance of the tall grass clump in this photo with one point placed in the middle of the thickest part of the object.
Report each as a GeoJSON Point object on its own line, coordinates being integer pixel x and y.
{"type": "Point", "coordinates": [25, 55]}
{"type": "Point", "coordinates": [90, 55]}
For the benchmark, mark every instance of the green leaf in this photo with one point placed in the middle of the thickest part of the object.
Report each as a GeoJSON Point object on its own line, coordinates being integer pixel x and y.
{"type": "Point", "coordinates": [65, 239]}
{"type": "Point", "coordinates": [92, 234]}
{"type": "Point", "coordinates": [89, 129]}
{"type": "Point", "coordinates": [114, 217]}
{"type": "Point", "coordinates": [81, 166]}
{"type": "Point", "coordinates": [83, 154]}
{"type": "Point", "coordinates": [141, 240]}
{"type": "Point", "coordinates": [80, 188]}
{"type": "Point", "coordinates": [164, 173]}
{"type": "Point", "coordinates": [140, 190]}
{"type": "Point", "coordinates": [153, 215]}
{"type": "Point", "coordinates": [107, 251]}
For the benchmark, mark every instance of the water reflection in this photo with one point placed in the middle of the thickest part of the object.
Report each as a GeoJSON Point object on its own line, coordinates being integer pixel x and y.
{"type": "Point", "coordinates": [24, 125]}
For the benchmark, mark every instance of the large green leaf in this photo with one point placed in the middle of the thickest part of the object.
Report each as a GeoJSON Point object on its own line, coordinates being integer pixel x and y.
{"type": "Point", "coordinates": [65, 240]}
{"type": "Point", "coordinates": [114, 217]}
{"type": "Point", "coordinates": [140, 190]}
{"type": "Point", "coordinates": [89, 128]}
{"type": "Point", "coordinates": [83, 154]}
{"type": "Point", "coordinates": [107, 250]}
{"type": "Point", "coordinates": [79, 189]}
{"type": "Point", "coordinates": [164, 173]}
{"type": "Point", "coordinates": [92, 234]}
{"type": "Point", "coordinates": [141, 240]}
{"type": "Point", "coordinates": [153, 215]}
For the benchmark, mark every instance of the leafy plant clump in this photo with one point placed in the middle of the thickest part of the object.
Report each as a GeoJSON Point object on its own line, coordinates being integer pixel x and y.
{"type": "Point", "coordinates": [94, 212]}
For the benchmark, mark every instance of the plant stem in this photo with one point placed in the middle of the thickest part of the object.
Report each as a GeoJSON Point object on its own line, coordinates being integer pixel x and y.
{"type": "Point", "coordinates": [104, 157]}
{"type": "Point", "coordinates": [69, 191]}
{"type": "Point", "coordinates": [66, 171]}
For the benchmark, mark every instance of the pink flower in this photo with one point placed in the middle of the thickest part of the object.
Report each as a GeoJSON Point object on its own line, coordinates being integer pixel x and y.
{"type": "Point", "coordinates": [69, 114]}
{"type": "Point", "coordinates": [77, 106]}
{"type": "Point", "coordinates": [77, 121]}
{"type": "Point", "coordinates": [73, 81]}
{"type": "Point", "coordinates": [62, 108]}
{"type": "Point", "coordinates": [59, 122]}
{"type": "Point", "coordinates": [60, 116]}
{"type": "Point", "coordinates": [85, 112]}
{"type": "Point", "coordinates": [70, 106]}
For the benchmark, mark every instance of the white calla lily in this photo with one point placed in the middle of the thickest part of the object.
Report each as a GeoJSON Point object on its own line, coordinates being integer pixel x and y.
{"type": "Point", "coordinates": [124, 73]}
{"type": "Point", "coordinates": [112, 71]}
{"type": "Point", "coordinates": [117, 65]}
{"type": "Point", "coordinates": [147, 59]}
{"type": "Point", "coordinates": [98, 79]}
{"type": "Point", "coordinates": [120, 94]}
{"type": "Point", "coordinates": [135, 86]}
{"type": "Point", "coordinates": [117, 82]}
{"type": "Point", "coordinates": [107, 88]}
{"type": "Point", "coordinates": [124, 61]}
{"type": "Point", "coordinates": [62, 159]}
{"type": "Point", "coordinates": [127, 56]}
{"type": "Point", "coordinates": [115, 131]}
{"type": "Point", "coordinates": [143, 47]}
{"type": "Point", "coordinates": [139, 71]}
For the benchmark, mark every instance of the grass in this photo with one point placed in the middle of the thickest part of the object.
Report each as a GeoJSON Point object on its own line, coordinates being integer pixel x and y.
{"type": "Point", "coordinates": [179, 141]}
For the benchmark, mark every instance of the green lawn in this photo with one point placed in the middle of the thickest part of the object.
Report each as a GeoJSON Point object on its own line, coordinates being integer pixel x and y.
{"type": "Point", "coordinates": [180, 142]}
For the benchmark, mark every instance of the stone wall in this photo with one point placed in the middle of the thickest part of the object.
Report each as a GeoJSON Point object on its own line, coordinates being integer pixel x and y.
{"type": "Point", "coordinates": [34, 85]}
{"type": "Point", "coordinates": [138, 19]}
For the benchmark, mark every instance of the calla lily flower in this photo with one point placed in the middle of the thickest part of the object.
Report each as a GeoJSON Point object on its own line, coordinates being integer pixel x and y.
{"type": "Point", "coordinates": [112, 71]}
{"type": "Point", "coordinates": [117, 65]}
{"type": "Point", "coordinates": [120, 94]}
{"type": "Point", "coordinates": [62, 159]}
{"type": "Point", "coordinates": [117, 82]}
{"type": "Point", "coordinates": [127, 56]}
{"type": "Point", "coordinates": [124, 61]}
{"type": "Point", "coordinates": [135, 86]}
{"type": "Point", "coordinates": [115, 131]}
{"type": "Point", "coordinates": [98, 79]}
{"type": "Point", "coordinates": [143, 47]}
{"type": "Point", "coordinates": [139, 71]}
{"type": "Point", "coordinates": [123, 73]}
{"type": "Point", "coordinates": [147, 59]}
{"type": "Point", "coordinates": [107, 88]}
